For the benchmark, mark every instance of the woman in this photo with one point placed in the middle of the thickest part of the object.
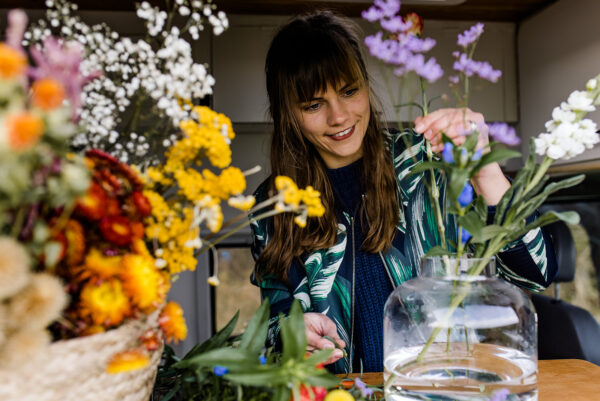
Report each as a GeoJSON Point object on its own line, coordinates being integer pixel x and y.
{"type": "Point", "coordinates": [378, 220]}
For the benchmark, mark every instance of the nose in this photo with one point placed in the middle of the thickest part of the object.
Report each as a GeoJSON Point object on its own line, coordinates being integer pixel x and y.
{"type": "Point", "coordinates": [338, 113]}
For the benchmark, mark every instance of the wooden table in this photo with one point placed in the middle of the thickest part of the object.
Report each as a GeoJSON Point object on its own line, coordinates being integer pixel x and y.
{"type": "Point", "coordinates": [558, 380]}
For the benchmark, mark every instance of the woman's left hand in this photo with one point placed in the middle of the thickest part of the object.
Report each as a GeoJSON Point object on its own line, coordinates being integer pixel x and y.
{"type": "Point", "coordinates": [490, 181]}
{"type": "Point", "coordinates": [455, 124]}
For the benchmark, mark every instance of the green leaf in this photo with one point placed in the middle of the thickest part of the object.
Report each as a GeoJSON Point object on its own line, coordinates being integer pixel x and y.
{"type": "Point", "coordinates": [569, 217]}
{"type": "Point", "coordinates": [293, 335]}
{"type": "Point", "coordinates": [281, 393]}
{"type": "Point", "coordinates": [491, 231]}
{"type": "Point", "coordinates": [325, 379]}
{"type": "Point", "coordinates": [216, 341]}
{"type": "Point", "coordinates": [458, 178]}
{"type": "Point", "coordinates": [472, 223]}
{"type": "Point", "coordinates": [481, 208]}
{"type": "Point", "coordinates": [470, 142]}
{"type": "Point", "coordinates": [318, 357]}
{"type": "Point", "coordinates": [256, 333]}
{"type": "Point", "coordinates": [497, 154]}
{"type": "Point", "coordinates": [437, 250]}
{"type": "Point", "coordinates": [232, 358]}
{"type": "Point", "coordinates": [426, 166]}
{"type": "Point", "coordinates": [270, 377]}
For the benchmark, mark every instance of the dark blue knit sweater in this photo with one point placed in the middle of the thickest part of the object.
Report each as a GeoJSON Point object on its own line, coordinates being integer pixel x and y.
{"type": "Point", "coordinates": [372, 285]}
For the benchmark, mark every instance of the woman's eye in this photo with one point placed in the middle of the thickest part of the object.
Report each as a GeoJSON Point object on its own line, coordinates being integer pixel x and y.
{"type": "Point", "coordinates": [350, 92]}
{"type": "Point", "coordinates": [312, 107]}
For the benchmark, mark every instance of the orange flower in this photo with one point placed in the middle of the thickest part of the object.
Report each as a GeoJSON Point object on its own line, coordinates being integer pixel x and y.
{"type": "Point", "coordinates": [104, 304]}
{"type": "Point", "coordinates": [151, 340]}
{"type": "Point", "coordinates": [93, 204]}
{"type": "Point", "coordinates": [75, 237]}
{"type": "Point", "coordinates": [127, 361]}
{"type": "Point", "coordinates": [417, 23]}
{"type": "Point", "coordinates": [141, 281]}
{"type": "Point", "coordinates": [12, 62]}
{"type": "Point", "coordinates": [172, 323]}
{"type": "Point", "coordinates": [24, 130]}
{"type": "Point", "coordinates": [47, 94]}
{"type": "Point", "coordinates": [142, 204]}
{"type": "Point", "coordinates": [116, 229]}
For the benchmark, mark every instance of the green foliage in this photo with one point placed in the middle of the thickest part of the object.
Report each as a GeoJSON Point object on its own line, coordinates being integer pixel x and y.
{"type": "Point", "coordinates": [280, 376]}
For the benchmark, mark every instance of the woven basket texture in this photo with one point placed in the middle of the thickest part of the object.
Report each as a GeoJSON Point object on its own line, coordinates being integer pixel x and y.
{"type": "Point", "coordinates": [76, 370]}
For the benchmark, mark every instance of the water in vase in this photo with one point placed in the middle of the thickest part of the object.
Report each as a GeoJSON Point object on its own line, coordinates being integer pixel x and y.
{"type": "Point", "coordinates": [455, 371]}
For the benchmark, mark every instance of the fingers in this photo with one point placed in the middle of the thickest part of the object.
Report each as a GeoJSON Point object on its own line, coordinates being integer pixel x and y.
{"type": "Point", "coordinates": [317, 327]}
{"type": "Point", "coordinates": [454, 123]}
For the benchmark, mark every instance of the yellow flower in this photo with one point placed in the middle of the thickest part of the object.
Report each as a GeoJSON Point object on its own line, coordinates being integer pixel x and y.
{"type": "Point", "coordinates": [300, 220]}
{"type": "Point", "coordinates": [172, 323]}
{"type": "Point", "coordinates": [101, 266]}
{"type": "Point", "coordinates": [289, 189]}
{"type": "Point", "coordinates": [233, 181]}
{"type": "Point", "coordinates": [127, 361]}
{"type": "Point", "coordinates": [339, 395]}
{"type": "Point", "coordinates": [104, 304]}
{"type": "Point", "coordinates": [241, 202]}
{"type": "Point", "coordinates": [141, 280]}
{"type": "Point", "coordinates": [312, 199]}
{"type": "Point", "coordinates": [12, 62]}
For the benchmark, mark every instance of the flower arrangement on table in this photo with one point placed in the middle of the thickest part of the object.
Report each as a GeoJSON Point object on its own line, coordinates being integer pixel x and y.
{"type": "Point", "coordinates": [98, 238]}
{"type": "Point", "coordinates": [403, 49]}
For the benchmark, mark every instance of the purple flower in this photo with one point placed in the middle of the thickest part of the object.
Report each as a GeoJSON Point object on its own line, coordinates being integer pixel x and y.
{"type": "Point", "coordinates": [465, 235]}
{"type": "Point", "coordinates": [17, 22]}
{"type": "Point", "coordinates": [419, 45]}
{"type": "Point", "coordinates": [364, 390]}
{"type": "Point", "coordinates": [262, 359]}
{"type": "Point", "coordinates": [500, 395]}
{"type": "Point", "coordinates": [470, 35]}
{"type": "Point", "coordinates": [453, 79]}
{"type": "Point", "coordinates": [466, 195]}
{"type": "Point", "coordinates": [447, 154]}
{"type": "Point", "coordinates": [61, 62]}
{"type": "Point", "coordinates": [372, 14]}
{"type": "Point", "coordinates": [388, 8]}
{"type": "Point", "coordinates": [220, 370]}
{"type": "Point", "coordinates": [470, 67]}
{"type": "Point", "coordinates": [504, 133]}
{"type": "Point", "coordinates": [395, 24]}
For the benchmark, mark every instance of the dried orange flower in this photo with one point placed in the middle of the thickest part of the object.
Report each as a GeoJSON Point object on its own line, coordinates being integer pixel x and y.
{"type": "Point", "coordinates": [172, 323]}
{"type": "Point", "coordinates": [24, 130]}
{"type": "Point", "coordinates": [104, 304]}
{"type": "Point", "coordinates": [47, 94]}
{"type": "Point", "coordinates": [12, 62]}
{"type": "Point", "coordinates": [127, 361]}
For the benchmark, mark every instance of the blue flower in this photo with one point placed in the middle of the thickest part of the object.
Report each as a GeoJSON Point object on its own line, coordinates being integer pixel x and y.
{"type": "Point", "coordinates": [220, 370]}
{"type": "Point", "coordinates": [447, 153]}
{"type": "Point", "coordinates": [466, 195]}
{"type": "Point", "coordinates": [465, 235]}
{"type": "Point", "coordinates": [476, 156]}
{"type": "Point", "coordinates": [262, 359]}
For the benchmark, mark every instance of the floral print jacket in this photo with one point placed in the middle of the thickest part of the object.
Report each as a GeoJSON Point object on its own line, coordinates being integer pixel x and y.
{"type": "Point", "coordinates": [323, 280]}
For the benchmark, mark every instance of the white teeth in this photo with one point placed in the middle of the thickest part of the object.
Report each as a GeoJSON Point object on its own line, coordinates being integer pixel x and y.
{"type": "Point", "coordinates": [343, 132]}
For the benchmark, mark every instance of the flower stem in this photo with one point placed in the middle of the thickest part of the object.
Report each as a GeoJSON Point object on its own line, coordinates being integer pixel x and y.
{"type": "Point", "coordinates": [539, 174]}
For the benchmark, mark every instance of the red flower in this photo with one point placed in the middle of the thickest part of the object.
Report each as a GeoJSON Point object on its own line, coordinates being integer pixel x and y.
{"type": "Point", "coordinates": [93, 204]}
{"type": "Point", "coordinates": [142, 204]}
{"type": "Point", "coordinates": [113, 207]}
{"type": "Point", "coordinates": [116, 229]}
{"type": "Point", "coordinates": [318, 393]}
{"type": "Point", "coordinates": [150, 340]}
{"type": "Point", "coordinates": [137, 230]}
{"type": "Point", "coordinates": [417, 23]}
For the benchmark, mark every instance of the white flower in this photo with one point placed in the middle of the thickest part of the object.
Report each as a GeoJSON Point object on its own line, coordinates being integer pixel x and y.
{"type": "Point", "coordinates": [591, 84]}
{"type": "Point", "coordinates": [559, 115]}
{"type": "Point", "coordinates": [555, 152]}
{"type": "Point", "coordinates": [580, 101]}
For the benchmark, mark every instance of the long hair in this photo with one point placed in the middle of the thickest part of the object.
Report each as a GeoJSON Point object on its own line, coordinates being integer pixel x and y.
{"type": "Point", "coordinates": [306, 55]}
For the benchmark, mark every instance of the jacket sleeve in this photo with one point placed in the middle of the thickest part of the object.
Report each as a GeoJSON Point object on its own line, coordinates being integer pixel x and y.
{"type": "Point", "coordinates": [530, 261]}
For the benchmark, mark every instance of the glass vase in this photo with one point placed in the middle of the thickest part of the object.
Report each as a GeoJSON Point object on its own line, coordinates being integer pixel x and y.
{"type": "Point", "coordinates": [459, 332]}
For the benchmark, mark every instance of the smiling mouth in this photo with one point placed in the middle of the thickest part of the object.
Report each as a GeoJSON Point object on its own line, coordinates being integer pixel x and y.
{"type": "Point", "coordinates": [343, 134]}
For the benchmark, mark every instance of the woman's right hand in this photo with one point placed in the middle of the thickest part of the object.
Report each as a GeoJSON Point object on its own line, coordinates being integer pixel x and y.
{"type": "Point", "coordinates": [318, 326]}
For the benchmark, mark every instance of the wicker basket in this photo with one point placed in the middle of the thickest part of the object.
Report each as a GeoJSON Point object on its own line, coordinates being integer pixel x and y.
{"type": "Point", "coordinates": [75, 370]}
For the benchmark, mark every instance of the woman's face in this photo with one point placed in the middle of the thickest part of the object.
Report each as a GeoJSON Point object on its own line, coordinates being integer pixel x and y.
{"type": "Point", "coordinates": [335, 122]}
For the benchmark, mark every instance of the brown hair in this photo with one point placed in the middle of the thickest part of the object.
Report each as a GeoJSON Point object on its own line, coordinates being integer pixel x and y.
{"type": "Point", "coordinates": [306, 55]}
